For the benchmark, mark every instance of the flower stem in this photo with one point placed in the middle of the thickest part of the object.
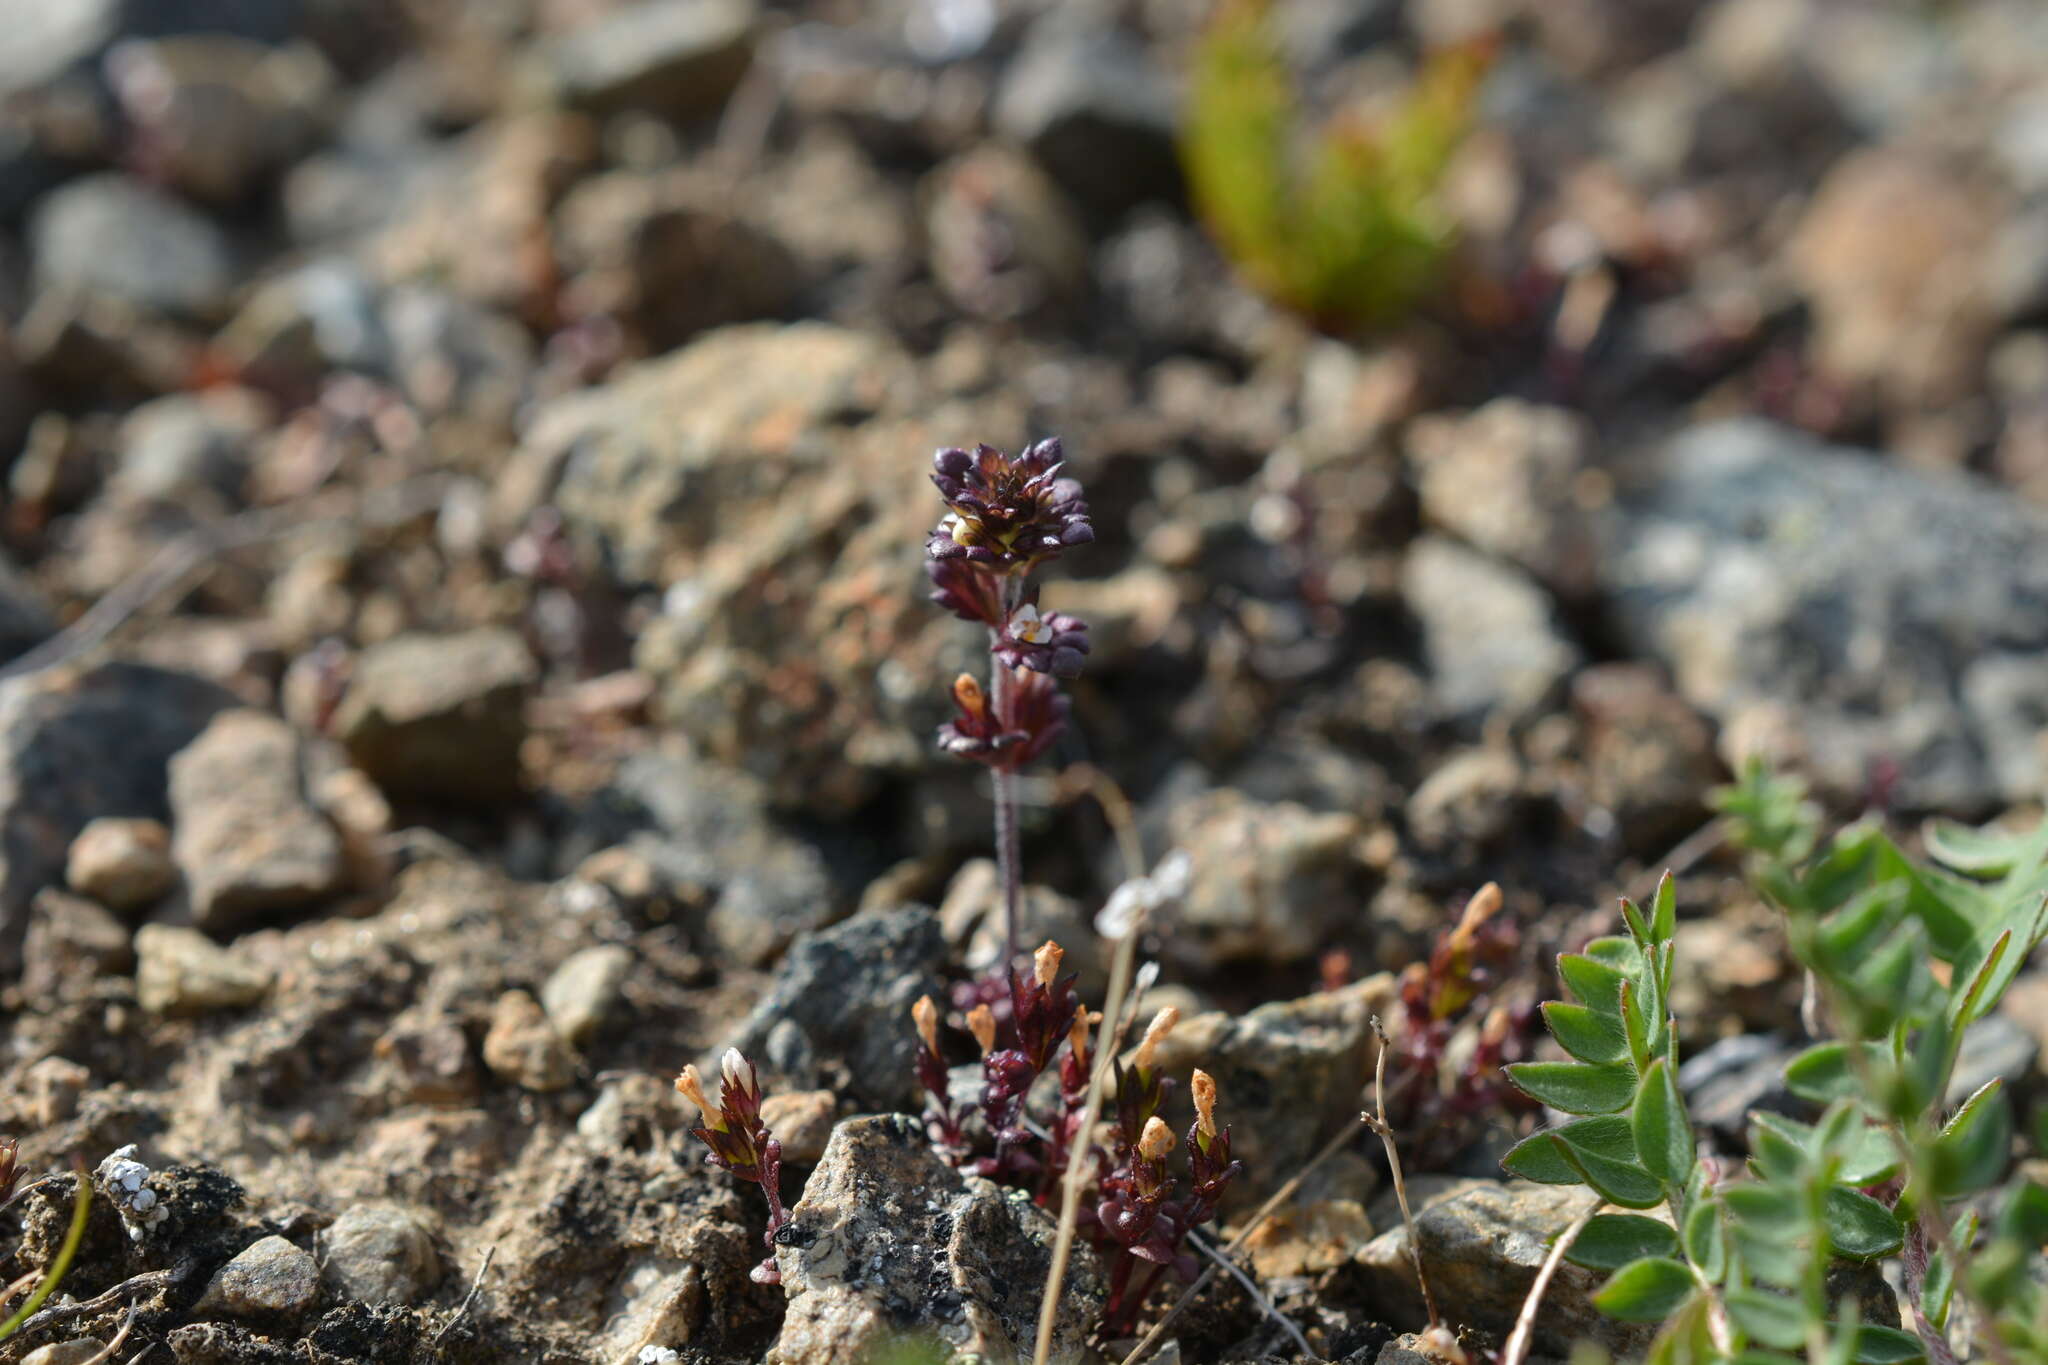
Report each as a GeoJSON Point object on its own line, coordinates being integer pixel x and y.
{"type": "Point", "coordinates": [1008, 872]}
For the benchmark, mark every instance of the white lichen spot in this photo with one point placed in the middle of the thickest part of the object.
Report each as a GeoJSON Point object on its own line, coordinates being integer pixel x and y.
{"type": "Point", "coordinates": [656, 1355]}
{"type": "Point", "coordinates": [125, 1180]}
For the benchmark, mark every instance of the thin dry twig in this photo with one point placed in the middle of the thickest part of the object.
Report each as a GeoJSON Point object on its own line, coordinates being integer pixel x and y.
{"type": "Point", "coordinates": [1337, 1143]}
{"type": "Point", "coordinates": [1251, 1287]}
{"type": "Point", "coordinates": [59, 1313]}
{"type": "Point", "coordinates": [1117, 808]}
{"type": "Point", "coordinates": [106, 1352]}
{"type": "Point", "coordinates": [200, 546]}
{"type": "Point", "coordinates": [475, 1287]}
{"type": "Point", "coordinates": [1378, 1123]}
{"type": "Point", "coordinates": [1517, 1348]}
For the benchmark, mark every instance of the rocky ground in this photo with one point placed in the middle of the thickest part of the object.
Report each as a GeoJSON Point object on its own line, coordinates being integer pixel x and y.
{"type": "Point", "coordinates": [465, 494]}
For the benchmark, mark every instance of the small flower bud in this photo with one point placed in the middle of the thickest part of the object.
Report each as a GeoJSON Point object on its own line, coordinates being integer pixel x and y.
{"type": "Point", "coordinates": [926, 1016]}
{"type": "Point", "coordinates": [1483, 906]}
{"type": "Point", "coordinates": [733, 1068]}
{"type": "Point", "coordinates": [692, 1087]}
{"type": "Point", "coordinates": [1494, 1031]}
{"type": "Point", "coordinates": [1077, 1034]}
{"type": "Point", "coordinates": [1202, 1086]}
{"type": "Point", "coordinates": [981, 1022]}
{"type": "Point", "coordinates": [1045, 963]}
{"type": "Point", "coordinates": [1156, 1141]}
{"type": "Point", "coordinates": [967, 692]}
{"type": "Point", "coordinates": [1155, 1034]}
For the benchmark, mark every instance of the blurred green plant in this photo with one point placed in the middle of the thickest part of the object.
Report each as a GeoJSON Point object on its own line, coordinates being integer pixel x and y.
{"type": "Point", "coordinates": [1342, 222]}
{"type": "Point", "coordinates": [1904, 955]}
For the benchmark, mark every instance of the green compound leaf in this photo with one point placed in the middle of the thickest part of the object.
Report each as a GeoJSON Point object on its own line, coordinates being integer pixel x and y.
{"type": "Point", "coordinates": [1648, 1290]}
{"type": "Point", "coordinates": [1540, 1156]}
{"type": "Point", "coordinates": [1663, 1134]}
{"type": "Point", "coordinates": [1576, 1087]}
{"type": "Point", "coordinates": [1770, 1318]}
{"type": "Point", "coordinates": [1871, 1158]}
{"type": "Point", "coordinates": [1612, 1240]}
{"type": "Point", "coordinates": [1859, 1227]}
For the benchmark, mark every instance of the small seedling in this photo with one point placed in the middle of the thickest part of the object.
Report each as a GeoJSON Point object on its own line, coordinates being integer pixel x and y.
{"type": "Point", "coordinates": [740, 1143]}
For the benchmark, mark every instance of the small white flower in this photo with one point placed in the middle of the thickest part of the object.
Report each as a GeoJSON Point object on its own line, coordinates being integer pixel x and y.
{"type": "Point", "coordinates": [734, 1067]}
{"type": "Point", "coordinates": [1026, 625]}
{"type": "Point", "coordinates": [1140, 896]}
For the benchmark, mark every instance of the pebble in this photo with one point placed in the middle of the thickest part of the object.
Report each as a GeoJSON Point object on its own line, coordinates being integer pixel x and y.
{"type": "Point", "coordinates": [113, 235]}
{"type": "Point", "coordinates": [524, 1048]}
{"type": "Point", "coordinates": [123, 863]}
{"type": "Point", "coordinates": [182, 971]}
{"type": "Point", "coordinates": [440, 716]}
{"type": "Point", "coordinates": [584, 990]}
{"type": "Point", "coordinates": [272, 1278]}
{"type": "Point", "coordinates": [379, 1253]}
{"type": "Point", "coordinates": [250, 843]}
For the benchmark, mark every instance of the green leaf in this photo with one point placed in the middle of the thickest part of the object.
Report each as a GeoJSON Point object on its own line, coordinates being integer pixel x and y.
{"type": "Point", "coordinates": [1879, 1345]}
{"type": "Point", "coordinates": [1611, 1240]}
{"type": "Point", "coordinates": [1575, 1087]}
{"type": "Point", "coordinates": [1986, 852]}
{"type": "Point", "coordinates": [1618, 1182]}
{"type": "Point", "coordinates": [1664, 912]}
{"type": "Point", "coordinates": [1859, 1227]}
{"type": "Point", "coordinates": [1774, 1156]}
{"type": "Point", "coordinates": [1763, 1208]}
{"type": "Point", "coordinates": [1597, 985]}
{"type": "Point", "coordinates": [1648, 1290]}
{"type": "Point", "coordinates": [1971, 1003]}
{"type": "Point", "coordinates": [1936, 1288]}
{"type": "Point", "coordinates": [1539, 1156]}
{"type": "Point", "coordinates": [1635, 1028]}
{"type": "Point", "coordinates": [1663, 1134]}
{"type": "Point", "coordinates": [1848, 933]}
{"type": "Point", "coordinates": [1706, 1244]}
{"type": "Point", "coordinates": [1894, 982]}
{"type": "Point", "coordinates": [1638, 927]}
{"type": "Point", "coordinates": [1971, 1151]}
{"type": "Point", "coordinates": [1585, 1033]}
{"type": "Point", "coordinates": [1822, 1073]}
{"type": "Point", "coordinates": [1871, 1157]}
{"type": "Point", "coordinates": [1771, 1318]}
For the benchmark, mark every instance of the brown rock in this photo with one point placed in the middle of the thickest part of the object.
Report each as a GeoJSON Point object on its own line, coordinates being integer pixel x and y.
{"type": "Point", "coordinates": [249, 842]}
{"type": "Point", "coordinates": [524, 1048]}
{"type": "Point", "coordinates": [440, 716]}
{"type": "Point", "coordinates": [124, 864]}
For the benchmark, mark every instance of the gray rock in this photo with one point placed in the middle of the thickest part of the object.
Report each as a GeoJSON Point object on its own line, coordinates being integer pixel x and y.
{"type": "Point", "coordinates": [452, 355]}
{"type": "Point", "coordinates": [180, 444]}
{"type": "Point", "coordinates": [440, 716]}
{"type": "Point", "coordinates": [837, 1014]}
{"type": "Point", "coordinates": [124, 864]}
{"type": "Point", "coordinates": [1889, 615]}
{"type": "Point", "coordinates": [1270, 881]}
{"type": "Point", "coordinates": [182, 971]}
{"type": "Point", "coordinates": [1490, 635]}
{"type": "Point", "coordinates": [271, 1278]}
{"type": "Point", "coordinates": [581, 993]}
{"type": "Point", "coordinates": [1505, 479]}
{"type": "Point", "coordinates": [1729, 1079]}
{"type": "Point", "coordinates": [379, 1253]}
{"type": "Point", "coordinates": [1482, 1242]}
{"type": "Point", "coordinates": [888, 1240]}
{"type": "Point", "coordinates": [680, 58]}
{"type": "Point", "coordinates": [1309, 1059]}
{"type": "Point", "coordinates": [249, 842]}
{"type": "Point", "coordinates": [1468, 802]}
{"type": "Point", "coordinates": [74, 746]}
{"type": "Point", "coordinates": [71, 943]}
{"type": "Point", "coordinates": [1096, 113]}
{"type": "Point", "coordinates": [706, 830]}
{"type": "Point", "coordinates": [45, 41]}
{"type": "Point", "coordinates": [113, 235]}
